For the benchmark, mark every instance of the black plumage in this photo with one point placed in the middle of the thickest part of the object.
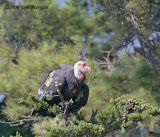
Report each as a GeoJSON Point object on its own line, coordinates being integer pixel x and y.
{"type": "Point", "coordinates": [70, 88]}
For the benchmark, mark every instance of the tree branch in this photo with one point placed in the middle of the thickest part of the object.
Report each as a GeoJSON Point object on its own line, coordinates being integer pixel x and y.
{"type": "Point", "coordinates": [23, 121]}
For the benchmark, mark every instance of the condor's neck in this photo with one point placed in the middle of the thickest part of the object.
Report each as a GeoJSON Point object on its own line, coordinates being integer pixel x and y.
{"type": "Point", "coordinates": [79, 75]}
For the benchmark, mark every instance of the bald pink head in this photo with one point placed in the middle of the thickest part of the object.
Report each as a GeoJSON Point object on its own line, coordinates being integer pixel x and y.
{"type": "Point", "coordinates": [80, 69]}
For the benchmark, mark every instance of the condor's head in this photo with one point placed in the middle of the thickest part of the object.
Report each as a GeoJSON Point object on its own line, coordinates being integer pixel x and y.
{"type": "Point", "coordinates": [80, 69]}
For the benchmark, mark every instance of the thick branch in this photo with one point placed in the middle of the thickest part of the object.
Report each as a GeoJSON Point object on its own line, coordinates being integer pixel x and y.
{"type": "Point", "coordinates": [150, 56]}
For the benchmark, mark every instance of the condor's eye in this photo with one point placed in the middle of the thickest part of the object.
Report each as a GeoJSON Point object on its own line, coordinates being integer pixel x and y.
{"type": "Point", "coordinates": [83, 65]}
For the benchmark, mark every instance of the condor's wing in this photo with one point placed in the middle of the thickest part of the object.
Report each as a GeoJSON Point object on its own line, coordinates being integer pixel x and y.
{"type": "Point", "coordinates": [48, 84]}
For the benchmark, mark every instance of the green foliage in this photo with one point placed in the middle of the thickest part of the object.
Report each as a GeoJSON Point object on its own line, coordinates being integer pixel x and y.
{"type": "Point", "coordinates": [149, 78]}
{"type": "Point", "coordinates": [30, 28]}
{"type": "Point", "coordinates": [141, 7]}
{"type": "Point", "coordinates": [11, 131]}
{"type": "Point", "coordinates": [34, 105]}
{"type": "Point", "coordinates": [83, 129]}
{"type": "Point", "coordinates": [15, 111]}
{"type": "Point", "coordinates": [17, 135]}
{"type": "Point", "coordinates": [123, 113]}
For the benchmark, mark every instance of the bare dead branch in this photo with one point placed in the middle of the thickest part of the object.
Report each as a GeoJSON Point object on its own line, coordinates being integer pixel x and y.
{"type": "Point", "coordinates": [23, 121]}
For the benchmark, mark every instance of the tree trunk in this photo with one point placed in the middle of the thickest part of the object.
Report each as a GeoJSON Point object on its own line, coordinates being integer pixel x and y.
{"type": "Point", "coordinates": [148, 53]}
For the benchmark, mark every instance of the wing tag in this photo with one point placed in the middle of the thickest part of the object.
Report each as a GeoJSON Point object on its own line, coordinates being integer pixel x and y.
{"type": "Point", "coordinates": [48, 81]}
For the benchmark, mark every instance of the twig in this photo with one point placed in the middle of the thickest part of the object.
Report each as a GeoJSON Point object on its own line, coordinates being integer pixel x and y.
{"type": "Point", "coordinates": [19, 122]}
